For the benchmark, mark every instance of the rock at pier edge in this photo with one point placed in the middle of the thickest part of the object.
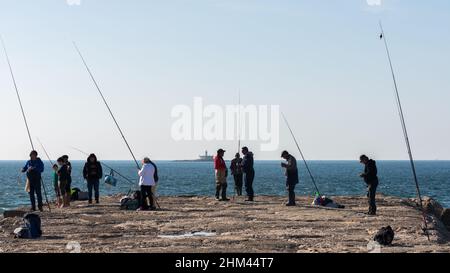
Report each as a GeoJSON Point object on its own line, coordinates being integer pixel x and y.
{"type": "Point", "coordinates": [264, 226]}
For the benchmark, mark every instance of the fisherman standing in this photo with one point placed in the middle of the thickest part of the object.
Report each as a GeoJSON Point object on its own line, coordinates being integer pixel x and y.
{"type": "Point", "coordinates": [249, 171]}
{"type": "Point", "coordinates": [34, 169]}
{"type": "Point", "coordinates": [93, 172]}
{"type": "Point", "coordinates": [291, 176]}
{"type": "Point", "coordinates": [236, 171]}
{"type": "Point", "coordinates": [221, 170]}
{"type": "Point", "coordinates": [69, 173]}
{"type": "Point", "coordinates": [370, 177]}
{"type": "Point", "coordinates": [147, 182]}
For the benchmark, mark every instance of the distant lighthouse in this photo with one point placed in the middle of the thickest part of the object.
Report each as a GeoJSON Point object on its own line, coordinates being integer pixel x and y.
{"type": "Point", "coordinates": [206, 157]}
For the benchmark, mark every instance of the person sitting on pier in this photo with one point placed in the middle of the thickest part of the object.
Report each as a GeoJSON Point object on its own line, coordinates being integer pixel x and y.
{"type": "Point", "coordinates": [221, 170]}
{"type": "Point", "coordinates": [34, 169]}
{"type": "Point", "coordinates": [370, 177]}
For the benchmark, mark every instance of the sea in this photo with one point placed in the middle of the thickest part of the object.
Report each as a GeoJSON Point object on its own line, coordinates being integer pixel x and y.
{"type": "Point", "coordinates": [177, 178]}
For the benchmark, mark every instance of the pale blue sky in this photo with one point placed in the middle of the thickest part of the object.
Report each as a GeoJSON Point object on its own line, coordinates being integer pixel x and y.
{"type": "Point", "coordinates": [321, 61]}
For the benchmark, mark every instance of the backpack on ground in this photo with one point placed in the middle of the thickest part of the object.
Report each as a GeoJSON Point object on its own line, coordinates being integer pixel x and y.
{"type": "Point", "coordinates": [31, 228]}
{"type": "Point", "coordinates": [132, 202]}
{"type": "Point", "coordinates": [385, 236]}
{"type": "Point", "coordinates": [74, 194]}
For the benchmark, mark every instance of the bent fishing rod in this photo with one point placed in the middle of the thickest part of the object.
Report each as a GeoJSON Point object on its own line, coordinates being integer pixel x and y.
{"type": "Point", "coordinates": [23, 113]}
{"type": "Point", "coordinates": [106, 104]}
{"type": "Point", "coordinates": [105, 165]}
{"type": "Point", "coordinates": [109, 109]}
{"type": "Point", "coordinates": [301, 153]}
{"type": "Point", "coordinates": [405, 131]}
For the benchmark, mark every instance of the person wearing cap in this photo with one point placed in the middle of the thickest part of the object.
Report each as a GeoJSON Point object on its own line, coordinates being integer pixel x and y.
{"type": "Point", "coordinates": [221, 170]}
{"type": "Point", "coordinates": [291, 175]}
{"type": "Point", "coordinates": [370, 176]}
{"type": "Point", "coordinates": [34, 169]}
{"type": "Point", "coordinates": [236, 172]}
{"type": "Point", "coordinates": [249, 171]}
{"type": "Point", "coordinates": [146, 182]}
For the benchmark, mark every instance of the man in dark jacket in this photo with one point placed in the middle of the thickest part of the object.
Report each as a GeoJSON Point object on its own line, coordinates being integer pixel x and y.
{"type": "Point", "coordinates": [93, 172]}
{"type": "Point", "coordinates": [249, 171]}
{"type": "Point", "coordinates": [291, 176]}
{"type": "Point", "coordinates": [370, 177]}
{"type": "Point", "coordinates": [236, 171]}
{"type": "Point", "coordinates": [34, 168]}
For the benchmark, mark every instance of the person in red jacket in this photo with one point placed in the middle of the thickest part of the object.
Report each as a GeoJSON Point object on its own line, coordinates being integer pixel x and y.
{"type": "Point", "coordinates": [221, 175]}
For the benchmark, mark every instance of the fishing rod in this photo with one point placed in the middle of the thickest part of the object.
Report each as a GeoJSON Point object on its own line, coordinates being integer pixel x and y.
{"type": "Point", "coordinates": [240, 122]}
{"type": "Point", "coordinates": [405, 132]}
{"type": "Point", "coordinates": [45, 151]}
{"type": "Point", "coordinates": [23, 113]}
{"type": "Point", "coordinates": [106, 104]}
{"type": "Point", "coordinates": [105, 165]}
{"type": "Point", "coordinates": [301, 153]}
{"type": "Point", "coordinates": [17, 93]}
{"type": "Point", "coordinates": [110, 111]}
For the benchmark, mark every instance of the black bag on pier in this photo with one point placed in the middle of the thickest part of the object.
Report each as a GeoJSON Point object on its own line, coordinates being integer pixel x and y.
{"type": "Point", "coordinates": [384, 236]}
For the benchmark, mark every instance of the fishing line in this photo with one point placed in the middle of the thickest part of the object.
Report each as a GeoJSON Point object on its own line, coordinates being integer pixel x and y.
{"type": "Point", "coordinates": [405, 132]}
{"type": "Point", "coordinates": [301, 153]}
{"type": "Point", "coordinates": [105, 165]}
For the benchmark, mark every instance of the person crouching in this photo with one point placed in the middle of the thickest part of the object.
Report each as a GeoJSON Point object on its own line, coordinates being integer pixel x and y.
{"type": "Point", "coordinates": [146, 182]}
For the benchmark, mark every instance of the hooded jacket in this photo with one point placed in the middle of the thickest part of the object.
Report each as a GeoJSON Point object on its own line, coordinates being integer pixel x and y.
{"type": "Point", "coordinates": [92, 170]}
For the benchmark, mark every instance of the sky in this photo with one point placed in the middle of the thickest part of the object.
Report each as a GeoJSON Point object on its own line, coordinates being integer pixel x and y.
{"type": "Point", "coordinates": [320, 61]}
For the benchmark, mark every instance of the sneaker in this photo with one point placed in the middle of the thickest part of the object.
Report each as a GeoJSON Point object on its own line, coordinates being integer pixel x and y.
{"type": "Point", "coordinates": [290, 205]}
{"type": "Point", "coordinates": [41, 209]}
{"type": "Point", "coordinates": [90, 202]}
{"type": "Point", "coordinates": [97, 202]}
{"type": "Point", "coordinates": [225, 199]}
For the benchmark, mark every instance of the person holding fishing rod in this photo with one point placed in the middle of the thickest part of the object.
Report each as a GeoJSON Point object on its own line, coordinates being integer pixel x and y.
{"type": "Point", "coordinates": [34, 169]}
{"type": "Point", "coordinates": [93, 172]}
{"type": "Point", "coordinates": [146, 182]}
{"type": "Point", "coordinates": [291, 176]}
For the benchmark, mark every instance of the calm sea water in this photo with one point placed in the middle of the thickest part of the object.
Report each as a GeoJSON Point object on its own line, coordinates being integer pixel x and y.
{"type": "Point", "coordinates": [197, 178]}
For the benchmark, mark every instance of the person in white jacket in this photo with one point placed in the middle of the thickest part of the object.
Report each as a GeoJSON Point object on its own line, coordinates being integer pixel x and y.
{"type": "Point", "coordinates": [146, 182]}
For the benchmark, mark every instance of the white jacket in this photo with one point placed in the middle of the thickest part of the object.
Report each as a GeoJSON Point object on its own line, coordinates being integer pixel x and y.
{"type": "Point", "coordinates": [146, 175]}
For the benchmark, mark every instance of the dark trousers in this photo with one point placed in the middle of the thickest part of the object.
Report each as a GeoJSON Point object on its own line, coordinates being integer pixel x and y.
{"type": "Point", "coordinates": [35, 188]}
{"type": "Point", "coordinates": [93, 185]}
{"type": "Point", "coordinates": [371, 193]}
{"type": "Point", "coordinates": [221, 188]}
{"type": "Point", "coordinates": [249, 177]}
{"type": "Point", "coordinates": [291, 190]}
{"type": "Point", "coordinates": [146, 192]}
{"type": "Point", "coordinates": [238, 181]}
